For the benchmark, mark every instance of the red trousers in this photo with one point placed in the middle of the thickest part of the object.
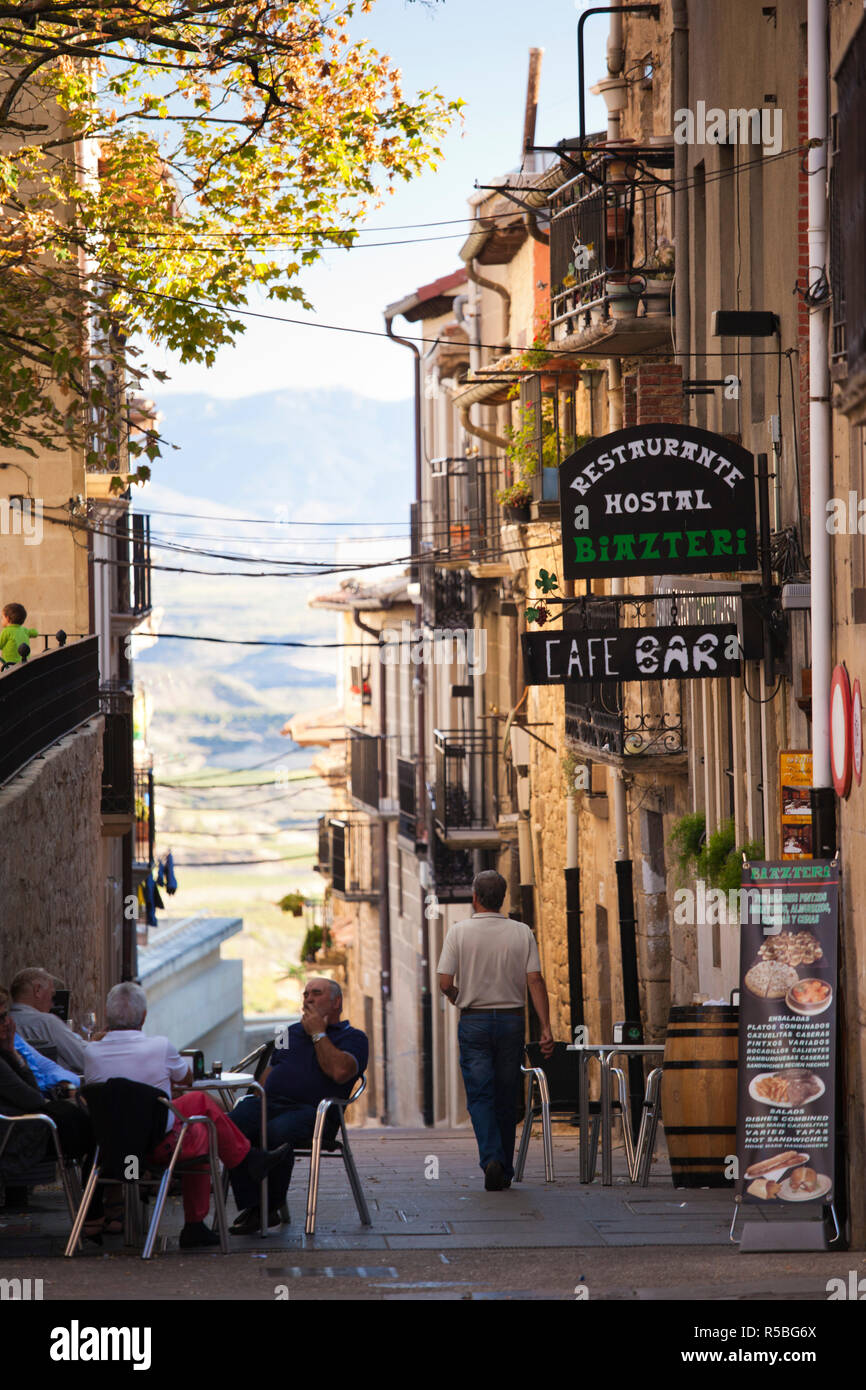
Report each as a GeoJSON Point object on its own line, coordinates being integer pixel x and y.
{"type": "Point", "coordinates": [232, 1147]}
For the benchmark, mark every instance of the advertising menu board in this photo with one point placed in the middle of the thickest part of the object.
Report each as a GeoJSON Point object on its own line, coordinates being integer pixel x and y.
{"type": "Point", "coordinates": [787, 1034]}
{"type": "Point", "coordinates": [795, 810]}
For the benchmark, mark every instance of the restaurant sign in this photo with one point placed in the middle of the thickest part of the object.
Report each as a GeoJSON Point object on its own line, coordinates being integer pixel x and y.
{"type": "Point", "coordinates": [632, 654]}
{"type": "Point", "coordinates": [787, 1031]}
{"type": "Point", "coordinates": [658, 499]}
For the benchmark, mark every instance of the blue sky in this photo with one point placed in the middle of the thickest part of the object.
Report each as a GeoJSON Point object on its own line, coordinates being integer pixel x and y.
{"type": "Point", "coordinates": [474, 49]}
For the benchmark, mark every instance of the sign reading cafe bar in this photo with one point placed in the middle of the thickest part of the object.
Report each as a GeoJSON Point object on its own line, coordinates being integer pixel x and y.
{"type": "Point", "coordinates": [632, 654]}
{"type": "Point", "coordinates": [658, 499]}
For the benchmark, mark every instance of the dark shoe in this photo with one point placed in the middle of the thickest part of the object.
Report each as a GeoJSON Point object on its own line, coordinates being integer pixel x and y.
{"type": "Point", "coordinates": [494, 1176]}
{"type": "Point", "coordinates": [248, 1222]}
{"type": "Point", "coordinates": [259, 1162]}
{"type": "Point", "coordinates": [507, 1182]}
{"type": "Point", "coordinates": [196, 1234]}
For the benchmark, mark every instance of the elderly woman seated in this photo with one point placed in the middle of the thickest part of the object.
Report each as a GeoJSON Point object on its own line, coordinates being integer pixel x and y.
{"type": "Point", "coordinates": [29, 1145]}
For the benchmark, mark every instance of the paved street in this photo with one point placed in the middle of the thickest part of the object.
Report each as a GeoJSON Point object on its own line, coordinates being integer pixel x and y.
{"type": "Point", "coordinates": [446, 1238]}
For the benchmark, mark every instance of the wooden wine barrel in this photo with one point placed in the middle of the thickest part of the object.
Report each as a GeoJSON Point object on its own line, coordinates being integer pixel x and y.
{"type": "Point", "coordinates": [699, 1093]}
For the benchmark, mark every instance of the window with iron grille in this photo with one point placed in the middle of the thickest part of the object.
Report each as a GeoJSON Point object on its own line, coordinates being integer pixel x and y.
{"type": "Point", "coordinates": [406, 794]}
{"type": "Point", "coordinates": [364, 767]}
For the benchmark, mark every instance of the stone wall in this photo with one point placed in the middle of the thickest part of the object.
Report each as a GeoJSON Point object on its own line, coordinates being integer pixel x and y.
{"type": "Point", "coordinates": [51, 890]}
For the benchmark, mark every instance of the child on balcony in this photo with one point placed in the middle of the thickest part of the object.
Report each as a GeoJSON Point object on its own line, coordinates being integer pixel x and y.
{"type": "Point", "coordinates": [13, 634]}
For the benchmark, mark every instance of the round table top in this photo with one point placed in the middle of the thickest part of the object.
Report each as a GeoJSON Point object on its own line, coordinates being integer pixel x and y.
{"type": "Point", "coordinates": [636, 1048]}
{"type": "Point", "coordinates": [228, 1079]}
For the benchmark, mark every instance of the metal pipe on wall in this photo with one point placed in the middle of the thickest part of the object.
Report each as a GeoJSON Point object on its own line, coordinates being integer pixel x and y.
{"type": "Point", "coordinates": [680, 101]}
{"type": "Point", "coordinates": [822, 797]}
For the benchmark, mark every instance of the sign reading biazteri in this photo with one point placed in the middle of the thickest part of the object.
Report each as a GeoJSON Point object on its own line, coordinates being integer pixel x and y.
{"type": "Point", "coordinates": [658, 499]}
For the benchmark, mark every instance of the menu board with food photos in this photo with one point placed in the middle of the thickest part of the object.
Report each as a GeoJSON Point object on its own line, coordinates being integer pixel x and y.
{"type": "Point", "coordinates": [795, 807]}
{"type": "Point", "coordinates": [787, 1031]}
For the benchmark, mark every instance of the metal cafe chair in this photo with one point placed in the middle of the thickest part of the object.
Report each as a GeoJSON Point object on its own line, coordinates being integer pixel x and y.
{"type": "Point", "coordinates": [161, 1181]}
{"type": "Point", "coordinates": [649, 1121]}
{"type": "Point", "coordinates": [324, 1147]}
{"type": "Point", "coordinates": [321, 1146]}
{"type": "Point", "coordinates": [555, 1080]}
{"type": "Point", "coordinates": [65, 1166]}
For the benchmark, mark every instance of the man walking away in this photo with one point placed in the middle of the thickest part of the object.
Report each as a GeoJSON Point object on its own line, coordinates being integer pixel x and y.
{"type": "Point", "coordinates": [493, 959]}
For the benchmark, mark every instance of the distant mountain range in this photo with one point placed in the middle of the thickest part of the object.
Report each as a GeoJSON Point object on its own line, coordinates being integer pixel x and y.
{"type": "Point", "coordinates": [288, 456]}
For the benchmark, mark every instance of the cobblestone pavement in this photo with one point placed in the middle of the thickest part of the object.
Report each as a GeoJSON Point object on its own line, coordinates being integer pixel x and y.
{"type": "Point", "coordinates": [436, 1234]}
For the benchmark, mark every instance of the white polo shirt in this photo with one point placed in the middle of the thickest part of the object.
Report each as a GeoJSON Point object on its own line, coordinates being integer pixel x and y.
{"type": "Point", "coordinates": [128, 1053]}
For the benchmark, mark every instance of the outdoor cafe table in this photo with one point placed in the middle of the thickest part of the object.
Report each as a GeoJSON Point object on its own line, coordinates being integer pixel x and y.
{"type": "Point", "coordinates": [605, 1052]}
{"type": "Point", "coordinates": [229, 1082]}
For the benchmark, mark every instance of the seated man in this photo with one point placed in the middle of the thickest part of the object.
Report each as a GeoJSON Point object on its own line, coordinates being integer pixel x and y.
{"type": "Point", "coordinates": [29, 1145]}
{"type": "Point", "coordinates": [322, 1058]}
{"type": "Point", "coordinates": [32, 993]}
{"type": "Point", "coordinates": [125, 1051]}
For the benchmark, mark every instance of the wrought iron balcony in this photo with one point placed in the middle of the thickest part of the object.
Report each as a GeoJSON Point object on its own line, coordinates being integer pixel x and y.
{"type": "Point", "coordinates": [131, 592]}
{"type": "Point", "coordinates": [354, 870]}
{"type": "Point", "coordinates": [446, 596]}
{"type": "Point", "coordinates": [463, 520]}
{"type": "Point", "coordinates": [407, 821]}
{"type": "Point", "coordinates": [118, 786]}
{"type": "Point", "coordinates": [606, 225]}
{"type": "Point", "coordinates": [364, 768]}
{"type": "Point", "coordinates": [145, 816]}
{"type": "Point", "coordinates": [467, 793]}
{"type": "Point", "coordinates": [452, 874]}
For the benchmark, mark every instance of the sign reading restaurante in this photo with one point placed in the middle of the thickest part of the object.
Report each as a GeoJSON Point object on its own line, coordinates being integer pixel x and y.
{"type": "Point", "coordinates": [658, 499]}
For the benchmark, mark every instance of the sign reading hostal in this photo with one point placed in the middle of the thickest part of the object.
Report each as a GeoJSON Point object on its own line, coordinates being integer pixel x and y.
{"type": "Point", "coordinates": [658, 499]}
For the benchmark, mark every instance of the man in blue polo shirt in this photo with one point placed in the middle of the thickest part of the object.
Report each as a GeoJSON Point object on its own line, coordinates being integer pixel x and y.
{"type": "Point", "coordinates": [323, 1057]}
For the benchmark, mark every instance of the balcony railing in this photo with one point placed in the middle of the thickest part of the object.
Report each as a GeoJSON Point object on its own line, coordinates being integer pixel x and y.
{"type": "Point", "coordinates": [118, 785]}
{"type": "Point", "coordinates": [604, 222]}
{"type": "Point", "coordinates": [364, 768]}
{"type": "Point", "coordinates": [132, 589]}
{"type": "Point", "coordinates": [447, 597]}
{"type": "Point", "coordinates": [467, 801]}
{"type": "Point", "coordinates": [407, 820]}
{"type": "Point", "coordinates": [464, 520]}
{"type": "Point", "coordinates": [323, 864]}
{"type": "Point", "coordinates": [452, 873]}
{"type": "Point", "coordinates": [145, 817]}
{"type": "Point", "coordinates": [44, 699]}
{"type": "Point", "coordinates": [354, 871]}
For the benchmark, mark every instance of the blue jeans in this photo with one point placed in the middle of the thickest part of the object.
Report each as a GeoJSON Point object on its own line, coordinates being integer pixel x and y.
{"type": "Point", "coordinates": [288, 1123]}
{"type": "Point", "coordinates": [491, 1051]}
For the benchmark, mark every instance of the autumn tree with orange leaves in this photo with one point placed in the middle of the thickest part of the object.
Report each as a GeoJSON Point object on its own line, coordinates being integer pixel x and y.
{"type": "Point", "coordinates": [157, 157]}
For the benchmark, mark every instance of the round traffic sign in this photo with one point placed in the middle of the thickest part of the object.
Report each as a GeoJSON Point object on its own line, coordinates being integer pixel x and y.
{"type": "Point", "coordinates": [840, 731]}
{"type": "Point", "coordinates": [857, 732]}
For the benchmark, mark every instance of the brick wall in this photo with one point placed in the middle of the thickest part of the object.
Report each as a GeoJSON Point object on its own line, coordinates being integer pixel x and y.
{"type": "Point", "coordinates": [659, 393]}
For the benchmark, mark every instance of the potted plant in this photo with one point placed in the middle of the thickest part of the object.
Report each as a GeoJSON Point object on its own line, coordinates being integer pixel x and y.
{"type": "Point", "coordinates": [294, 903]}
{"type": "Point", "coordinates": [657, 294]}
{"type": "Point", "coordinates": [622, 300]}
{"type": "Point", "coordinates": [516, 499]}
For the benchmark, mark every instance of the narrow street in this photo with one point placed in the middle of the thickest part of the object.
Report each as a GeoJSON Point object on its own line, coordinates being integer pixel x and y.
{"type": "Point", "coordinates": [446, 1238]}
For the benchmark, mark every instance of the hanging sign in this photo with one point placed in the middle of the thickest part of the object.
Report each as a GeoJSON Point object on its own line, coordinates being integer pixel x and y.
{"type": "Point", "coordinates": [632, 654]}
{"type": "Point", "coordinates": [795, 807]}
{"type": "Point", "coordinates": [787, 1032]}
{"type": "Point", "coordinates": [658, 499]}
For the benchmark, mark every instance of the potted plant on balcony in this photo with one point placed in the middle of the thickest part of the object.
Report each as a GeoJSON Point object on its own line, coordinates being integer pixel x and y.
{"type": "Point", "coordinates": [516, 499]}
{"type": "Point", "coordinates": [292, 902]}
{"type": "Point", "coordinates": [659, 275]}
{"type": "Point", "coordinates": [621, 297]}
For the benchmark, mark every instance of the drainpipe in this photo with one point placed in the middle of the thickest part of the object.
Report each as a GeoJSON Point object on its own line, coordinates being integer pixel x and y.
{"type": "Point", "coordinates": [420, 784]}
{"type": "Point", "coordinates": [680, 70]}
{"type": "Point", "coordinates": [623, 865]}
{"type": "Point", "coordinates": [384, 896]}
{"type": "Point", "coordinates": [822, 796]}
{"type": "Point", "coordinates": [480, 432]}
